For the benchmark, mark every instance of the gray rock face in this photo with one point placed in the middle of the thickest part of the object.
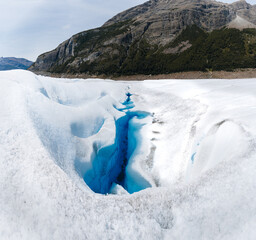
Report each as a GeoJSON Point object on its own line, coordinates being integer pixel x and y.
{"type": "Point", "coordinates": [164, 19]}
{"type": "Point", "coordinates": [157, 21]}
{"type": "Point", "coordinates": [245, 10]}
{"type": "Point", "coordinates": [58, 56]}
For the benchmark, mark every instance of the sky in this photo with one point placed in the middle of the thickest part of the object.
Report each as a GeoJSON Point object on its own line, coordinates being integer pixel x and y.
{"type": "Point", "coordinates": [31, 27]}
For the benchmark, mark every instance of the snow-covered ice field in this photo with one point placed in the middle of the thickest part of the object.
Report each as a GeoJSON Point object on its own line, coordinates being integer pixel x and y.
{"type": "Point", "coordinates": [98, 159]}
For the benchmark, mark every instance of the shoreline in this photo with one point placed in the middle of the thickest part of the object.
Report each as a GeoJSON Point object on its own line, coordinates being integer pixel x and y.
{"type": "Point", "coordinates": [236, 74]}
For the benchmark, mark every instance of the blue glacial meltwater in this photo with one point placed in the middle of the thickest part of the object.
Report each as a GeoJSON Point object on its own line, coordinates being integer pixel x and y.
{"type": "Point", "coordinates": [109, 163]}
{"type": "Point", "coordinates": [193, 157]}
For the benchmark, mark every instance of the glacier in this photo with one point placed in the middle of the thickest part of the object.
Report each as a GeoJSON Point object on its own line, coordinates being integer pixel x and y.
{"type": "Point", "coordinates": [103, 159]}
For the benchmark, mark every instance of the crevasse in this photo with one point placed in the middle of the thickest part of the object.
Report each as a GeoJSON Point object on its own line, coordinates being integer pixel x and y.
{"type": "Point", "coordinates": [109, 163]}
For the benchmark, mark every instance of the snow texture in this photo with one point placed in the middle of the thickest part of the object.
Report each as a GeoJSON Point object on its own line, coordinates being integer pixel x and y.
{"type": "Point", "coordinates": [171, 159]}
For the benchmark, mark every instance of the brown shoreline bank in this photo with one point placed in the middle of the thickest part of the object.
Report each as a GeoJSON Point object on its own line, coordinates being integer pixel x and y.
{"type": "Point", "coordinates": [236, 74]}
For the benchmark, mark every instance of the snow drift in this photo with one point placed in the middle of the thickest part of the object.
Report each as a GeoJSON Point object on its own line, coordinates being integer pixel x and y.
{"type": "Point", "coordinates": [184, 150]}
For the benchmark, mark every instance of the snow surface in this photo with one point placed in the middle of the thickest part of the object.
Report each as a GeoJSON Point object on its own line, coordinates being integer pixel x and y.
{"type": "Point", "coordinates": [190, 144]}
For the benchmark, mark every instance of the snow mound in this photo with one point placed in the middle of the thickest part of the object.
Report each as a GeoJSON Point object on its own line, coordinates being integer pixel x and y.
{"type": "Point", "coordinates": [225, 141]}
{"type": "Point", "coordinates": [174, 159]}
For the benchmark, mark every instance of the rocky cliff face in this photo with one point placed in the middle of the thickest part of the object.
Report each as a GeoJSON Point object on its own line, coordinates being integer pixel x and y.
{"type": "Point", "coordinates": [149, 29]}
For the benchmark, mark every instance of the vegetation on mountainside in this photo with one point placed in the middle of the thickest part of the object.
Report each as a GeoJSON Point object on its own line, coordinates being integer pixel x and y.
{"type": "Point", "coordinates": [92, 38]}
{"type": "Point", "coordinates": [223, 49]}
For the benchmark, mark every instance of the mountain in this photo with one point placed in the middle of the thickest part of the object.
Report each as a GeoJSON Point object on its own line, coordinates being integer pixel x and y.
{"type": "Point", "coordinates": [10, 63]}
{"type": "Point", "coordinates": [161, 36]}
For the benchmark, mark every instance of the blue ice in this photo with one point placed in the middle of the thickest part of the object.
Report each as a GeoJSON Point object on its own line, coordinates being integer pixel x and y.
{"type": "Point", "coordinates": [109, 163]}
{"type": "Point", "coordinates": [193, 157]}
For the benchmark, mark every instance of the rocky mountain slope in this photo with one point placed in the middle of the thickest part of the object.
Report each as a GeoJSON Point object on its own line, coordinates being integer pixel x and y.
{"type": "Point", "coordinates": [10, 63]}
{"type": "Point", "coordinates": [161, 36]}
